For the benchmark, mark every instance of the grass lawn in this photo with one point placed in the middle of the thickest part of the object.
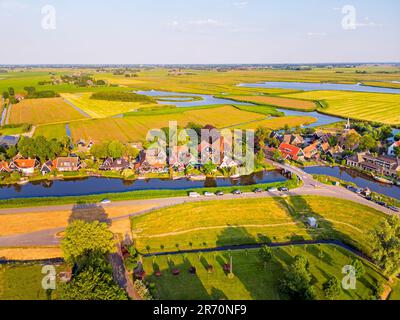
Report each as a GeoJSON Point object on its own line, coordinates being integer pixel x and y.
{"type": "Point", "coordinates": [50, 131]}
{"type": "Point", "coordinates": [42, 111]}
{"type": "Point", "coordinates": [102, 108]}
{"type": "Point", "coordinates": [252, 279]}
{"type": "Point", "coordinates": [303, 105]}
{"type": "Point", "coordinates": [23, 282]}
{"type": "Point", "coordinates": [379, 107]}
{"type": "Point", "coordinates": [243, 221]}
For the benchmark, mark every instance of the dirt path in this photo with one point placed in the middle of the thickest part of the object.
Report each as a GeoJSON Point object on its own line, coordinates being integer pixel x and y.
{"type": "Point", "coordinates": [121, 275]}
{"type": "Point", "coordinates": [215, 227]}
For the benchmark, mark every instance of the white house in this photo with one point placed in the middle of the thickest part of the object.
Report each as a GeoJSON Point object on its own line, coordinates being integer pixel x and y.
{"type": "Point", "coordinates": [391, 148]}
{"type": "Point", "coordinates": [312, 222]}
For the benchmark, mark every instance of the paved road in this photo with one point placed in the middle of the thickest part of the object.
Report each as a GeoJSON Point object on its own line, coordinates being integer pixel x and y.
{"type": "Point", "coordinates": [309, 187]}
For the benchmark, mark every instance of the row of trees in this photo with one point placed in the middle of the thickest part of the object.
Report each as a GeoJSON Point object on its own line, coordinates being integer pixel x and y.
{"type": "Point", "coordinates": [113, 149]}
{"type": "Point", "coordinates": [38, 147]}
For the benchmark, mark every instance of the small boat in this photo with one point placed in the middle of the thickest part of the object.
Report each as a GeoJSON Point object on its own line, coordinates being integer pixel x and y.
{"type": "Point", "coordinates": [383, 180]}
{"type": "Point", "coordinates": [23, 181]}
{"type": "Point", "coordinates": [235, 176]}
{"type": "Point", "coordinates": [398, 183]}
{"type": "Point", "coordinates": [197, 178]}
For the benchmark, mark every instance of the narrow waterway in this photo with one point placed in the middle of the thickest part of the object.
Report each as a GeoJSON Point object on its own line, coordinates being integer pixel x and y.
{"type": "Point", "coordinates": [94, 185]}
{"type": "Point", "coordinates": [361, 180]}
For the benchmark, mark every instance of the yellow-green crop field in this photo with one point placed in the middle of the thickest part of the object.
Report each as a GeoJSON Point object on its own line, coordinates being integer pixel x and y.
{"type": "Point", "coordinates": [380, 107]}
{"type": "Point", "coordinates": [101, 108]}
{"type": "Point", "coordinates": [243, 221]}
{"type": "Point", "coordinates": [57, 131]}
{"type": "Point", "coordinates": [135, 128]}
{"type": "Point", "coordinates": [42, 111]}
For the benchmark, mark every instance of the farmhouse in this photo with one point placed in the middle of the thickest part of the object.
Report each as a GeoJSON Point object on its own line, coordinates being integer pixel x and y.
{"type": "Point", "coordinates": [118, 164]}
{"type": "Point", "coordinates": [24, 166]}
{"type": "Point", "coordinates": [67, 164]}
{"type": "Point", "coordinates": [152, 160]}
{"type": "Point", "coordinates": [47, 167]}
{"type": "Point", "coordinates": [180, 157]}
{"type": "Point", "coordinates": [311, 151]}
{"type": "Point", "coordinates": [4, 167]}
{"type": "Point", "coordinates": [211, 150]}
{"type": "Point", "coordinates": [291, 152]}
{"type": "Point", "coordinates": [293, 139]}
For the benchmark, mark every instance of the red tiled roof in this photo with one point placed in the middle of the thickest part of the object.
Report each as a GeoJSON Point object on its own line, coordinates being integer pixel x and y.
{"type": "Point", "coordinates": [25, 163]}
{"type": "Point", "coordinates": [288, 149]}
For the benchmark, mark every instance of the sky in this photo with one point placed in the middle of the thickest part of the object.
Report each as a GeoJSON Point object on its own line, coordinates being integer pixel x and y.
{"type": "Point", "coordinates": [198, 31]}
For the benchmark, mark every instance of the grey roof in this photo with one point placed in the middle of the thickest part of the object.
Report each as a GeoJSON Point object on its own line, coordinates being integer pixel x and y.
{"type": "Point", "coordinates": [8, 141]}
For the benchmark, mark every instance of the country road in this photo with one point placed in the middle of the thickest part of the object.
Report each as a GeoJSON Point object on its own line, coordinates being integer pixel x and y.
{"type": "Point", "coordinates": [310, 187]}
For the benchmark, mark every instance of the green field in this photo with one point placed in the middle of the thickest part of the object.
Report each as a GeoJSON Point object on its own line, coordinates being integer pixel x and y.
{"type": "Point", "coordinates": [23, 282]}
{"type": "Point", "coordinates": [57, 131]}
{"type": "Point", "coordinates": [252, 279]}
{"type": "Point", "coordinates": [379, 107]}
{"type": "Point", "coordinates": [242, 221]}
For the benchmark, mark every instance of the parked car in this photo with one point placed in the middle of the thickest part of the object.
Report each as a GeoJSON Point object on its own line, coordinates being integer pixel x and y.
{"type": "Point", "coordinates": [105, 201]}
{"type": "Point", "coordinates": [194, 194]}
{"type": "Point", "coordinates": [283, 189]}
{"type": "Point", "coordinates": [272, 189]}
{"type": "Point", "coordinates": [395, 209]}
{"type": "Point", "coordinates": [209, 194]}
{"type": "Point", "coordinates": [219, 193]}
{"type": "Point", "coordinates": [237, 192]}
{"type": "Point", "coordinates": [258, 190]}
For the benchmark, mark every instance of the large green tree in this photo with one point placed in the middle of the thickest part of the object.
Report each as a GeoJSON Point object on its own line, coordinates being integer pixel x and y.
{"type": "Point", "coordinates": [93, 280]}
{"type": "Point", "coordinates": [297, 280]}
{"type": "Point", "coordinates": [385, 241]}
{"type": "Point", "coordinates": [82, 238]}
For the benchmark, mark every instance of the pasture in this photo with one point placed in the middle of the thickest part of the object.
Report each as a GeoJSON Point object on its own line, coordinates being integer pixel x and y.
{"type": "Point", "coordinates": [243, 221]}
{"type": "Point", "coordinates": [279, 102]}
{"type": "Point", "coordinates": [24, 282]}
{"type": "Point", "coordinates": [57, 131]}
{"type": "Point", "coordinates": [43, 111]}
{"type": "Point", "coordinates": [252, 279]}
{"type": "Point", "coordinates": [102, 108]}
{"type": "Point", "coordinates": [379, 107]}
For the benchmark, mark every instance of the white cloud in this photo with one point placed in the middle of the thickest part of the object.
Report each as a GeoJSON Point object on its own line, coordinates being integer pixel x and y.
{"type": "Point", "coordinates": [208, 22]}
{"type": "Point", "coordinates": [12, 5]}
{"type": "Point", "coordinates": [316, 34]}
{"type": "Point", "coordinates": [367, 23]}
{"type": "Point", "coordinates": [240, 4]}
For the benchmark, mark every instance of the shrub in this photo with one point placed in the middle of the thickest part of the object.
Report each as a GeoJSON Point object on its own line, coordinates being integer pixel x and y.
{"type": "Point", "coordinates": [142, 290]}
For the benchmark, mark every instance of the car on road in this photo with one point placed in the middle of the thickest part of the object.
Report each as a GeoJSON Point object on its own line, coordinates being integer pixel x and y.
{"type": "Point", "coordinates": [219, 193]}
{"type": "Point", "coordinates": [194, 195]}
{"type": "Point", "coordinates": [283, 189]}
{"type": "Point", "coordinates": [258, 190]}
{"type": "Point", "coordinates": [237, 192]}
{"type": "Point", "coordinates": [105, 201]}
{"type": "Point", "coordinates": [209, 194]}
{"type": "Point", "coordinates": [272, 189]}
{"type": "Point", "coordinates": [395, 209]}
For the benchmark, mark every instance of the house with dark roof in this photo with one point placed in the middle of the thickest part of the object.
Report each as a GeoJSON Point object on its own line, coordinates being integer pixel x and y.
{"type": "Point", "coordinates": [118, 164]}
{"type": "Point", "coordinates": [8, 141]}
{"type": "Point", "coordinates": [384, 165]}
{"type": "Point", "coordinates": [67, 164]}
